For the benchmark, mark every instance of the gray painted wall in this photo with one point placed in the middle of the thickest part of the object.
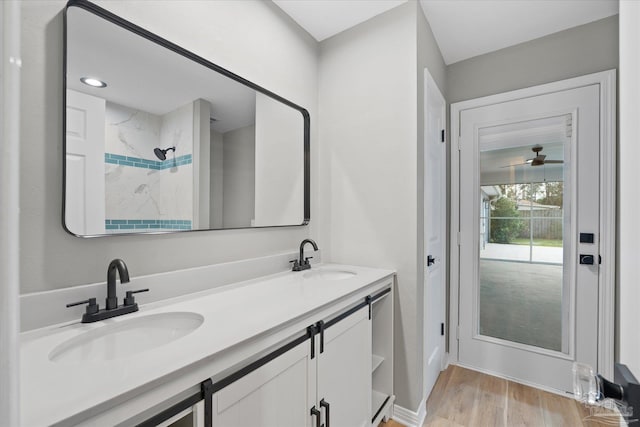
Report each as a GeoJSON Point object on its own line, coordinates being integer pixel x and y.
{"type": "Point", "coordinates": [370, 92]}
{"type": "Point", "coordinates": [239, 176]}
{"type": "Point", "coordinates": [574, 52]}
{"type": "Point", "coordinates": [287, 65]}
{"type": "Point", "coordinates": [216, 184]}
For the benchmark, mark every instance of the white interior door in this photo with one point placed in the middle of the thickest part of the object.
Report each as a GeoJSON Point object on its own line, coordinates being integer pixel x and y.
{"type": "Point", "coordinates": [85, 193]}
{"type": "Point", "coordinates": [434, 233]}
{"type": "Point", "coordinates": [527, 306]}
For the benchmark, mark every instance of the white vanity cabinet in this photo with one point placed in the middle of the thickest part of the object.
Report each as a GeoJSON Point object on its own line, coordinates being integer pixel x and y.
{"type": "Point", "coordinates": [287, 350]}
{"type": "Point", "coordinates": [336, 373]}
{"type": "Point", "coordinates": [324, 381]}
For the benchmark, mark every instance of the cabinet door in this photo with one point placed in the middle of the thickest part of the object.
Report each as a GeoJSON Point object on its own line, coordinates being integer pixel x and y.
{"type": "Point", "coordinates": [278, 394]}
{"type": "Point", "coordinates": [344, 372]}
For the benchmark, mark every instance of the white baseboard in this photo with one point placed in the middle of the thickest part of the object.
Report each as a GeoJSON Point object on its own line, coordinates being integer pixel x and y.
{"type": "Point", "coordinates": [410, 418]}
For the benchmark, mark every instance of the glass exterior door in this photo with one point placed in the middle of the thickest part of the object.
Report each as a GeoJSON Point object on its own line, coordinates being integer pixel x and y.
{"type": "Point", "coordinates": [529, 184]}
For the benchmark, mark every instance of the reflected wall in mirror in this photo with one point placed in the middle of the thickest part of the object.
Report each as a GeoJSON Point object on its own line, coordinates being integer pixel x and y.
{"type": "Point", "coordinates": [158, 139]}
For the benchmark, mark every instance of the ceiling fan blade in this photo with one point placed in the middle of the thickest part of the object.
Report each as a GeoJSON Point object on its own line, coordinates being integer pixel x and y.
{"type": "Point", "coordinates": [554, 161]}
{"type": "Point", "coordinates": [538, 161]}
{"type": "Point", "coordinates": [515, 164]}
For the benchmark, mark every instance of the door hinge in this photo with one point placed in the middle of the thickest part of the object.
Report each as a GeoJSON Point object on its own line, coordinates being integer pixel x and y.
{"type": "Point", "coordinates": [458, 332]}
{"type": "Point", "coordinates": [442, 135]}
{"type": "Point", "coordinates": [599, 259]}
{"type": "Point", "coordinates": [442, 329]}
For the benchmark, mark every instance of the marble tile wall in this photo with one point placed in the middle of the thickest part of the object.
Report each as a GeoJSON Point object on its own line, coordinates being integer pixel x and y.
{"type": "Point", "coordinates": [143, 193]}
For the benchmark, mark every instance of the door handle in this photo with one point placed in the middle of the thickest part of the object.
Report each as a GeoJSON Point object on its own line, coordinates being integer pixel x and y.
{"type": "Point", "coordinates": [316, 413]}
{"type": "Point", "coordinates": [325, 405]}
{"type": "Point", "coordinates": [586, 259]}
{"type": "Point", "coordinates": [430, 260]}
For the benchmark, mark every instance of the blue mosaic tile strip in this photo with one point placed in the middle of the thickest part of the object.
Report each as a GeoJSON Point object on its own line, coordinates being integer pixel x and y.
{"type": "Point", "coordinates": [137, 162]}
{"type": "Point", "coordinates": [147, 224]}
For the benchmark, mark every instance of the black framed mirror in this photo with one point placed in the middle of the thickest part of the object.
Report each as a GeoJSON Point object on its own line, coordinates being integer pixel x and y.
{"type": "Point", "coordinates": [158, 139]}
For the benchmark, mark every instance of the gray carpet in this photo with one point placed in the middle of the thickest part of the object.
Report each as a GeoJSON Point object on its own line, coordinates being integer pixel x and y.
{"type": "Point", "coordinates": [521, 302]}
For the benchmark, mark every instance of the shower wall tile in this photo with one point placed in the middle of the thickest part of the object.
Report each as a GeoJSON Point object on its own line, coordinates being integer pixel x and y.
{"type": "Point", "coordinates": [176, 130]}
{"type": "Point", "coordinates": [131, 132]}
{"type": "Point", "coordinates": [139, 193]}
{"type": "Point", "coordinates": [119, 226]}
{"type": "Point", "coordinates": [137, 162]}
{"type": "Point", "coordinates": [139, 187]}
{"type": "Point", "coordinates": [134, 133]}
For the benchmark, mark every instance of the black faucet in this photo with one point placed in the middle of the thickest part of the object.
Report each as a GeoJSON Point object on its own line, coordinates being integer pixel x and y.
{"type": "Point", "coordinates": [303, 263]}
{"type": "Point", "coordinates": [93, 313]}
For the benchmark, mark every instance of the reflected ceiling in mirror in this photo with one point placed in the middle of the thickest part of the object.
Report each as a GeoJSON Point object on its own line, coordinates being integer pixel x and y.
{"type": "Point", "coordinates": [158, 139]}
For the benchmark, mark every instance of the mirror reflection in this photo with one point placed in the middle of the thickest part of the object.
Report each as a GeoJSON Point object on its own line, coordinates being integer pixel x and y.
{"type": "Point", "coordinates": [158, 142]}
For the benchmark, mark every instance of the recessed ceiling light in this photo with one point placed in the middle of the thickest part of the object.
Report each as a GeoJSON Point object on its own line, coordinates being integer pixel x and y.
{"type": "Point", "coordinates": [92, 81]}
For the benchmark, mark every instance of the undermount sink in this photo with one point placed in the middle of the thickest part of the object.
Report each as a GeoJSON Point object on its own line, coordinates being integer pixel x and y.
{"type": "Point", "coordinates": [328, 274]}
{"type": "Point", "coordinates": [127, 337]}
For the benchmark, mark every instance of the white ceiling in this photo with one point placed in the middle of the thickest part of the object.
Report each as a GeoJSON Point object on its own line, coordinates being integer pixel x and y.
{"type": "Point", "coordinates": [462, 28]}
{"type": "Point", "coordinates": [325, 18]}
{"type": "Point", "coordinates": [468, 28]}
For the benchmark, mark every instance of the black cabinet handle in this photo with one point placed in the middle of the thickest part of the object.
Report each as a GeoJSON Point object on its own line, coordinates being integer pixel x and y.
{"type": "Point", "coordinates": [312, 331]}
{"type": "Point", "coordinates": [316, 413]}
{"type": "Point", "coordinates": [325, 405]}
{"type": "Point", "coordinates": [320, 329]}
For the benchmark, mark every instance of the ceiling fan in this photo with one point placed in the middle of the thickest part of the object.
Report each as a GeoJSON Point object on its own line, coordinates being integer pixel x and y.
{"type": "Point", "coordinates": [539, 160]}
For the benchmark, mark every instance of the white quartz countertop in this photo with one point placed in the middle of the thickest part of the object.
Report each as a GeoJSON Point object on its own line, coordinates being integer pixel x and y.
{"type": "Point", "coordinates": [54, 391]}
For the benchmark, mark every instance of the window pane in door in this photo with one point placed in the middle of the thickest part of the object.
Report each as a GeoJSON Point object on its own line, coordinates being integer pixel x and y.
{"type": "Point", "coordinates": [522, 222]}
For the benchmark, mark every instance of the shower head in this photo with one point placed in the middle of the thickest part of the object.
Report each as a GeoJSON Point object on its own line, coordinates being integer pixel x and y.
{"type": "Point", "coordinates": [162, 154]}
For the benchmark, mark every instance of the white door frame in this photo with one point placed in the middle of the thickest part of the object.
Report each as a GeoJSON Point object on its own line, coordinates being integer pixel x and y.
{"type": "Point", "coordinates": [606, 293]}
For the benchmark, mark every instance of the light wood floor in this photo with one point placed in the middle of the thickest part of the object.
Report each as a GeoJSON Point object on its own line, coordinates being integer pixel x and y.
{"type": "Point", "coordinates": [462, 397]}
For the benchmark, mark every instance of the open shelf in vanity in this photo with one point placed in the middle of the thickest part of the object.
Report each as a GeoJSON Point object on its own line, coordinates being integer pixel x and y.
{"type": "Point", "coordinates": [382, 359]}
